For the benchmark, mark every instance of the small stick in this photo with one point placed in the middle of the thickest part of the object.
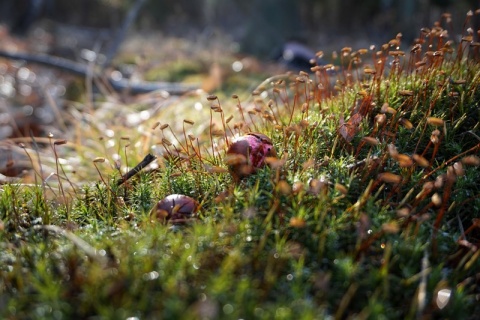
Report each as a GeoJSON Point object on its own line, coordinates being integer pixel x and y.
{"type": "Point", "coordinates": [89, 250]}
{"type": "Point", "coordinates": [145, 162]}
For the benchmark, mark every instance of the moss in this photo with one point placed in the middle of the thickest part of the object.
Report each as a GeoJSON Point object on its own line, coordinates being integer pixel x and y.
{"type": "Point", "coordinates": [370, 210]}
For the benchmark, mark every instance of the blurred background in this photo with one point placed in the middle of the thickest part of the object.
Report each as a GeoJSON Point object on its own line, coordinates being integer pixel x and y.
{"type": "Point", "coordinates": [258, 27]}
{"type": "Point", "coordinates": [172, 46]}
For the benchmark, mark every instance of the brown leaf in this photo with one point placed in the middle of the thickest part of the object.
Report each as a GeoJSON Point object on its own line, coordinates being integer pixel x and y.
{"type": "Point", "coordinates": [350, 129]}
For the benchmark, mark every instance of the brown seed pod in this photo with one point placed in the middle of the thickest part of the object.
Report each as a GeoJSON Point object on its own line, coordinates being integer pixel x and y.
{"type": "Point", "coordinates": [176, 208]}
{"type": "Point", "coordinates": [248, 153]}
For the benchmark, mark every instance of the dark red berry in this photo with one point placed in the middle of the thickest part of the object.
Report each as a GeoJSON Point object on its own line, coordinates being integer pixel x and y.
{"type": "Point", "coordinates": [176, 208]}
{"type": "Point", "coordinates": [248, 153]}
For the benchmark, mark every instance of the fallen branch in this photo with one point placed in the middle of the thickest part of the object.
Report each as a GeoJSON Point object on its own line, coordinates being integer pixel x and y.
{"type": "Point", "coordinates": [79, 69]}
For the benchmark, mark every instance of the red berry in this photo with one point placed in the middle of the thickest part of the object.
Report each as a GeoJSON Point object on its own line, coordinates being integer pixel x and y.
{"type": "Point", "coordinates": [176, 208]}
{"type": "Point", "coordinates": [248, 153]}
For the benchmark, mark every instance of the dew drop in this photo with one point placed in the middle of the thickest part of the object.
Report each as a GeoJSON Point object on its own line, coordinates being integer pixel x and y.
{"type": "Point", "coordinates": [237, 66]}
{"type": "Point", "coordinates": [228, 308]}
{"type": "Point", "coordinates": [443, 296]}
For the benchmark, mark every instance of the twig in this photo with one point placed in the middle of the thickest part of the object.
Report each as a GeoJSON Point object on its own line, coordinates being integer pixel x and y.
{"type": "Point", "coordinates": [51, 61]}
{"type": "Point", "coordinates": [122, 31]}
{"type": "Point", "coordinates": [145, 162]}
{"type": "Point", "coordinates": [90, 251]}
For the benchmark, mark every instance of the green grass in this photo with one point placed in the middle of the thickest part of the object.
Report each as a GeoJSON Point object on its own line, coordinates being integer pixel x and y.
{"type": "Point", "coordinates": [339, 226]}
